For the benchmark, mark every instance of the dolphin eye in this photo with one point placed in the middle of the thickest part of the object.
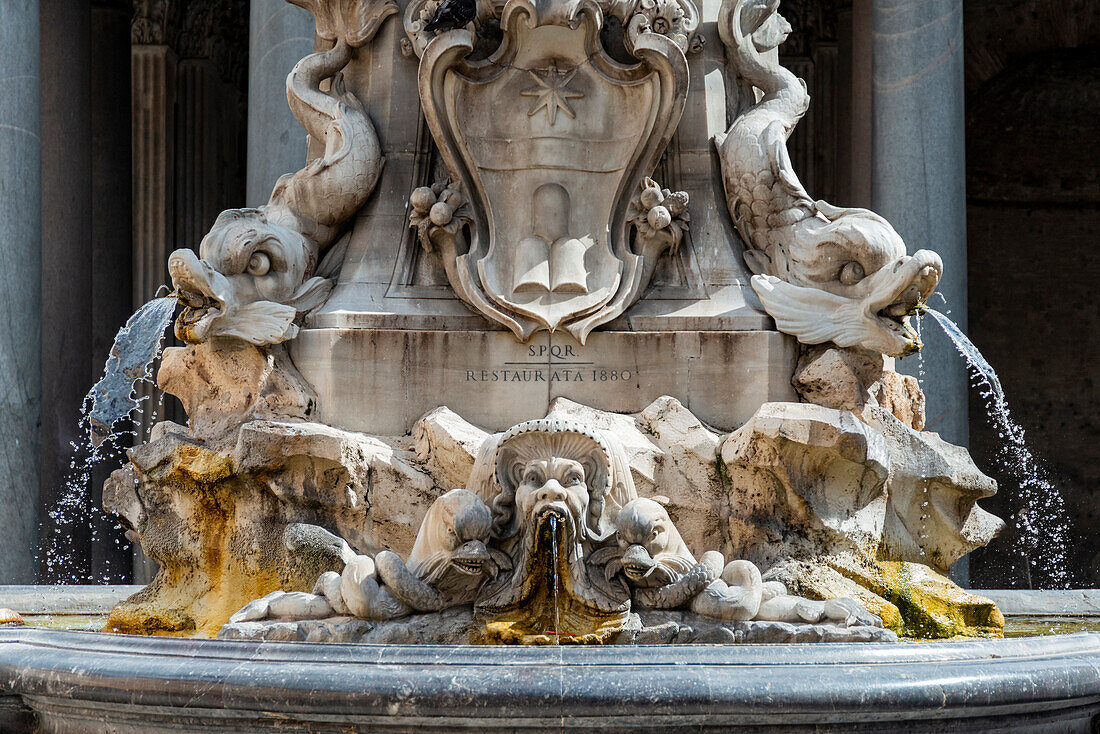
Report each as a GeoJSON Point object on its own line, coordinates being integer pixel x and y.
{"type": "Point", "coordinates": [851, 273]}
{"type": "Point", "coordinates": [259, 263]}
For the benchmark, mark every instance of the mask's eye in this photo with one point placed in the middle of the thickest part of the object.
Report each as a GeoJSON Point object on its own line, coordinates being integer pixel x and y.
{"type": "Point", "coordinates": [851, 273]}
{"type": "Point", "coordinates": [572, 480]}
{"type": "Point", "coordinates": [259, 263]}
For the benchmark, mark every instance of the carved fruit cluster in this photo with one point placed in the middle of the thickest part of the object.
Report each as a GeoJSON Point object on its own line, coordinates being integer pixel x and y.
{"type": "Point", "coordinates": [655, 211]}
{"type": "Point", "coordinates": [439, 206]}
{"type": "Point", "coordinates": [667, 18]}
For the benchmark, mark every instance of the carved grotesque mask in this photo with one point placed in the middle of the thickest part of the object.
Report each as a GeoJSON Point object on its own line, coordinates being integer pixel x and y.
{"type": "Point", "coordinates": [549, 466]}
{"type": "Point", "coordinates": [553, 484]}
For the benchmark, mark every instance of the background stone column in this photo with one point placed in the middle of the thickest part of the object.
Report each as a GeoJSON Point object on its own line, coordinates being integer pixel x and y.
{"type": "Point", "coordinates": [918, 180]}
{"type": "Point", "coordinates": [20, 289]}
{"type": "Point", "coordinates": [66, 99]}
{"type": "Point", "coordinates": [85, 278]}
{"type": "Point", "coordinates": [918, 175]}
{"type": "Point", "coordinates": [280, 35]}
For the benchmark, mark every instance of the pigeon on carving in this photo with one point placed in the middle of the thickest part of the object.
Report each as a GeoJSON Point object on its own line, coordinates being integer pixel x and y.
{"type": "Point", "coordinates": [452, 14]}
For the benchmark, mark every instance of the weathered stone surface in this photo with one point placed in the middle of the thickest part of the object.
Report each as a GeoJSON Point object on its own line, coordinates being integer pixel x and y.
{"type": "Point", "coordinates": [972, 686]}
{"type": "Point", "coordinates": [932, 514]}
{"type": "Point", "coordinates": [850, 379]}
{"type": "Point", "coordinates": [458, 627]}
{"type": "Point", "coordinates": [214, 519]}
{"type": "Point", "coordinates": [819, 581]}
{"type": "Point", "coordinates": [225, 382]}
{"type": "Point", "coordinates": [804, 480]}
{"type": "Point", "coordinates": [912, 599]}
{"type": "Point", "coordinates": [931, 605]}
{"type": "Point", "coordinates": [382, 381]}
{"type": "Point", "coordinates": [447, 445]}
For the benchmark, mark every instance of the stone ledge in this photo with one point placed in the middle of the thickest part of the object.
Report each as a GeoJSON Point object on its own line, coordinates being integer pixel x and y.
{"type": "Point", "coordinates": [59, 599]}
{"type": "Point", "coordinates": [76, 681]}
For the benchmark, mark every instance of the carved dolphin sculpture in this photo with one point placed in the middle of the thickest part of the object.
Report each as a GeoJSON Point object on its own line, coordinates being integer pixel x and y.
{"type": "Point", "coordinates": [256, 272]}
{"type": "Point", "coordinates": [656, 561]}
{"type": "Point", "coordinates": [449, 560]}
{"type": "Point", "coordinates": [823, 273]}
{"type": "Point", "coordinates": [735, 596]}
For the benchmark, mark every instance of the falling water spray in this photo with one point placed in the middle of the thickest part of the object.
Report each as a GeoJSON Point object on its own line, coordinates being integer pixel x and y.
{"type": "Point", "coordinates": [1042, 522]}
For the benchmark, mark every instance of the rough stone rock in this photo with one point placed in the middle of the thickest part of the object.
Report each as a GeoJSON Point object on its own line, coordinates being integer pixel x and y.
{"type": "Point", "coordinates": [215, 520]}
{"type": "Point", "coordinates": [804, 480]}
{"type": "Point", "coordinates": [798, 481]}
{"type": "Point", "coordinates": [458, 627]}
{"type": "Point", "coordinates": [932, 516]}
{"type": "Point", "coordinates": [911, 598]}
{"type": "Point", "coordinates": [447, 445]}
{"type": "Point", "coordinates": [688, 474]}
{"type": "Point", "coordinates": [224, 383]}
{"type": "Point", "coordinates": [368, 490]}
{"type": "Point", "coordinates": [851, 379]}
{"type": "Point", "coordinates": [931, 605]}
{"type": "Point", "coordinates": [819, 581]}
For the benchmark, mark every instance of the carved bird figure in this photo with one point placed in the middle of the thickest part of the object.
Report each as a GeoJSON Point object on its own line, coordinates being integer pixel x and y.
{"type": "Point", "coordinates": [452, 14]}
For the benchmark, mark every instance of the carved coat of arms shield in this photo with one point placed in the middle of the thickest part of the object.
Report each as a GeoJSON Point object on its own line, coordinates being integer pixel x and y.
{"type": "Point", "coordinates": [550, 137]}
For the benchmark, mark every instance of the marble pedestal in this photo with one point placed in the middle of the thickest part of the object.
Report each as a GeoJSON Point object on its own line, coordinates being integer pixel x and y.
{"type": "Point", "coordinates": [381, 381]}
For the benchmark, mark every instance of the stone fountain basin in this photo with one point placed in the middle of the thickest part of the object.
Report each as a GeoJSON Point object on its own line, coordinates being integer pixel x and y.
{"type": "Point", "coordinates": [79, 681]}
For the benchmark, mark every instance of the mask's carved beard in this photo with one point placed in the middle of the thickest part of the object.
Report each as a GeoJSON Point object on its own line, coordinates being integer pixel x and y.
{"type": "Point", "coordinates": [539, 596]}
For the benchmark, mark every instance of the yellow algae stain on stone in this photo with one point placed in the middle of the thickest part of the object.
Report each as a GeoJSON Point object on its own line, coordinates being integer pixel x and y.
{"type": "Point", "coordinates": [931, 605]}
{"type": "Point", "coordinates": [820, 582]}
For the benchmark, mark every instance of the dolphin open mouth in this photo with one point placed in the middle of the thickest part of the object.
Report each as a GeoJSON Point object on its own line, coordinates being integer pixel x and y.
{"type": "Point", "coordinates": [203, 291]}
{"type": "Point", "coordinates": [471, 558]}
{"type": "Point", "coordinates": [637, 563]}
{"type": "Point", "coordinates": [905, 291]}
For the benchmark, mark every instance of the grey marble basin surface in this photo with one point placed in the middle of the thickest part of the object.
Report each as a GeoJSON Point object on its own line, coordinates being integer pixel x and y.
{"type": "Point", "coordinates": [77, 682]}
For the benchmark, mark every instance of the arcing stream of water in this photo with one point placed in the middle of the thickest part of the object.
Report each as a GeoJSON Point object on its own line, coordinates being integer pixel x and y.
{"type": "Point", "coordinates": [1042, 522]}
{"type": "Point", "coordinates": [113, 398]}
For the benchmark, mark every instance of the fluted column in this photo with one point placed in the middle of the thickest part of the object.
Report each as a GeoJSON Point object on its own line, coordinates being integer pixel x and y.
{"type": "Point", "coordinates": [918, 174]}
{"type": "Point", "coordinates": [280, 35]}
{"type": "Point", "coordinates": [20, 289]}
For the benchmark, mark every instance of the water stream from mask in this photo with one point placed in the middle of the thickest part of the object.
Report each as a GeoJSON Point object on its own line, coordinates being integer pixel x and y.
{"type": "Point", "coordinates": [137, 345]}
{"type": "Point", "coordinates": [1042, 521]}
{"type": "Point", "coordinates": [554, 562]}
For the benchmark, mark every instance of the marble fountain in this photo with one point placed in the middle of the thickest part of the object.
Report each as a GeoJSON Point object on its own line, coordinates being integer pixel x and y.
{"type": "Point", "coordinates": [545, 397]}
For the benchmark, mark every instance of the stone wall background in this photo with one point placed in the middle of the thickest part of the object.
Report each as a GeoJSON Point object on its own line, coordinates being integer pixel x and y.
{"type": "Point", "coordinates": [1033, 211]}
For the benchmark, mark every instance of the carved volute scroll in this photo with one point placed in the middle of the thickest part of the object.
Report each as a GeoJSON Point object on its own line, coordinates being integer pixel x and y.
{"type": "Point", "coordinates": [550, 139]}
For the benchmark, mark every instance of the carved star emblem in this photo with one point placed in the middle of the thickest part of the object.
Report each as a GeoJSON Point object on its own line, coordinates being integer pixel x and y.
{"type": "Point", "coordinates": [552, 93]}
